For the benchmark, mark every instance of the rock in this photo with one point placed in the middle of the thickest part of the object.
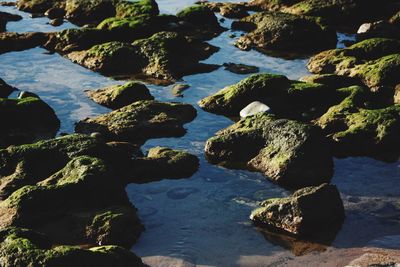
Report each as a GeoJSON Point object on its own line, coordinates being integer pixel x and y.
{"type": "Point", "coordinates": [283, 32]}
{"type": "Point", "coordinates": [378, 29]}
{"type": "Point", "coordinates": [397, 94]}
{"type": "Point", "coordinates": [356, 130]}
{"type": "Point", "coordinates": [163, 163]}
{"type": "Point", "coordinates": [332, 80]}
{"type": "Point", "coordinates": [286, 98]}
{"type": "Point", "coordinates": [26, 120]}
{"type": "Point", "coordinates": [39, 6]}
{"type": "Point", "coordinates": [22, 247]}
{"type": "Point", "coordinates": [6, 17]}
{"type": "Point", "coordinates": [229, 10]}
{"type": "Point", "coordinates": [253, 109]}
{"type": "Point", "coordinates": [125, 9]}
{"type": "Point", "coordinates": [89, 12]}
{"type": "Point", "coordinates": [308, 210]}
{"type": "Point", "coordinates": [377, 258]}
{"type": "Point", "coordinates": [240, 68]}
{"type": "Point", "coordinates": [140, 121]}
{"type": "Point", "coordinates": [5, 89]}
{"type": "Point", "coordinates": [5, 3]}
{"type": "Point", "coordinates": [395, 19]}
{"type": "Point", "coordinates": [164, 56]}
{"type": "Point", "coordinates": [56, 22]}
{"type": "Point", "coordinates": [55, 13]}
{"type": "Point", "coordinates": [178, 89]}
{"type": "Point", "coordinates": [288, 152]}
{"type": "Point", "coordinates": [375, 61]}
{"type": "Point", "coordinates": [118, 96]}
{"type": "Point", "coordinates": [11, 41]}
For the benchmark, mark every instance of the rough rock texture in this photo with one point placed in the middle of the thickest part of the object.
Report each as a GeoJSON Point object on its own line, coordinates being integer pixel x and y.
{"type": "Point", "coordinates": [378, 29]}
{"type": "Point", "coordinates": [228, 10]}
{"type": "Point", "coordinates": [26, 120]}
{"type": "Point", "coordinates": [140, 121]}
{"type": "Point", "coordinates": [22, 247]}
{"type": "Point", "coordinates": [164, 163]}
{"type": "Point", "coordinates": [306, 211]}
{"type": "Point", "coordinates": [240, 68]}
{"type": "Point", "coordinates": [118, 96]}
{"type": "Point", "coordinates": [283, 32]}
{"type": "Point", "coordinates": [39, 6]}
{"type": "Point", "coordinates": [165, 56]}
{"type": "Point", "coordinates": [11, 41]}
{"type": "Point", "coordinates": [286, 98]}
{"type": "Point", "coordinates": [289, 153]}
{"type": "Point", "coordinates": [332, 80]}
{"type": "Point", "coordinates": [84, 12]}
{"type": "Point", "coordinates": [375, 61]}
{"type": "Point", "coordinates": [357, 130]}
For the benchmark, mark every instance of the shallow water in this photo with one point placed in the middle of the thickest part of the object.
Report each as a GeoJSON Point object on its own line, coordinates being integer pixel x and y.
{"type": "Point", "coordinates": [203, 220]}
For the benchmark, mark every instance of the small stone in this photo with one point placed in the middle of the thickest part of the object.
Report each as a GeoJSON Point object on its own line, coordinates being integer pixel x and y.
{"type": "Point", "coordinates": [232, 35]}
{"type": "Point", "coordinates": [56, 22]}
{"type": "Point", "coordinates": [254, 108]}
{"type": "Point", "coordinates": [178, 89]}
{"type": "Point", "coordinates": [240, 68]}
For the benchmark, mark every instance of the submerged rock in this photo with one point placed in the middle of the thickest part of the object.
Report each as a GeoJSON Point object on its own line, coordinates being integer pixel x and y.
{"type": "Point", "coordinates": [22, 247]}
{"type": "Point", "coordinates": [286, 98]}
{"type": "Point", "coordinates": [11, 41]}
{"type": "Point", "coordinates": [165, 55]}
{"type": "Point", "coordinates": [375, 61]}
{"type": "Point", "coordinates": [118, 96]}
{"type": "Point", "coordinates": [308, 210]}
{"type": "Point", "coordinates": [163, 163]}
{"type": "Point", "coordinates": [283, 32]}
{"type": "Point", "coordinates": [140, 121]}
{"type": "Point", "coordinates": [240, 68]}
{"type": "Point", "coordinates": [26, 120]}
{"type": "Point", "coordinates": [289, 153]}
{"type": "Point", "coordinates": [357, 130]}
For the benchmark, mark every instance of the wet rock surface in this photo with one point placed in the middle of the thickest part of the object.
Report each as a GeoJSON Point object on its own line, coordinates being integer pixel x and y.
{"type": "Point", "coordinates": [11, 41]}
{"type": "Point", "coordinates": [289, 153]}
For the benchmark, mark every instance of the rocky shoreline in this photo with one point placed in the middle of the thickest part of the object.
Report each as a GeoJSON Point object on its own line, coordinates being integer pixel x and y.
{"type": "Point", "coordinates": [350, 107]}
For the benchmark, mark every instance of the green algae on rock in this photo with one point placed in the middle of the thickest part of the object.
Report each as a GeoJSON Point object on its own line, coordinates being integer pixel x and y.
{"type": "Point", "coordinates": [284, 32]}
{"type": "Point", "coordinates": [163, 163]}
{"type": "Point", "coordinates": [86, 12]}
{"type": "Point", "coordinates": [375, 61]}
{"type": "Point", "coordinates": [307, 211]}
{"type": "Point", "coordinates": [356, 130]}
{"type": "Point", "coordinates": [23, 247]}
{"type": "Point", "coordinates": [140, 121]}
{"type": "Point", "coordinates": [118, 96]}
{"type": "Point", "coordinates": [290, 153]}
{"type": "Point", "coordinates": [125, 9]}
{"type": "Point", "coordinates": [26, 120]}
{"type": "Point", "coordinates": [165, 56]}
{"type": "Point", "coordinates": [286, 98]}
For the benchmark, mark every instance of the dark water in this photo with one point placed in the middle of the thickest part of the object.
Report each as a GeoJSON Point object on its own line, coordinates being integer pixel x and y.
{"type": "Point", "coordinates": [203, 220]}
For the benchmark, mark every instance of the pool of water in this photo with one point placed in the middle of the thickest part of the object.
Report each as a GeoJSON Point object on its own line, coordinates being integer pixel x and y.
{"type": "Point", "coordinates": [203, 220]}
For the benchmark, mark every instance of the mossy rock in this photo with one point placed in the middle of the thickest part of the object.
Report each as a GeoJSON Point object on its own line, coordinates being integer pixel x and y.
{"type": "Point", "coordinates": [22, 247]}
{"type": "Point", "coordinates": [89, 12]}
{"type": "Point", "coordinates": [284, 32]}
{"type": "Point", "coordinates": [286, 98]}
{"type": "Point", "coordinates": [26, 120]}
{"type": "Point", "coordinates": [290, 153]}
{"type": "Point", "coordinates": [39, 6]}
{"type": "Point", "coordinates": [307, 211]}
{"type": "Point", "coordinates": [375, 61]}
{"type": "Point", "coordinates": [164, 56]}
{"type": "Point", "coordinates": [118, 96]}
{"type": "Point", "coordinates": [127, 9]}
{"type": "Point", "coordinates": [140, 121]}
{"type": "Point", "coordinates": [357, 130]}
{"type": "Point", "coordinates": [228, 10]}
{"type": "Point", "coordinates": [12, 41]}
{"type": "Point", "coordinates": [163, 163]}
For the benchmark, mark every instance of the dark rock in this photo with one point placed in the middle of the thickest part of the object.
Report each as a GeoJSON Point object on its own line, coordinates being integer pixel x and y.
{"type": "Point", "coordinates": [140, 121]}
{"type": "Point", "coordinates": [332, 80]}
{"type": "Point", "coordinates": [229, 10]}
{"type": "Point", "coordinates": [56, 22]}
{"type": "Point", "coordinates": [283, 32]}
{"type": "Point", "coordinates": [378, 29]}
{"type": "Point", "coordinates": [89, 12]}
{"type": "Point", "coordinates": [308, 210]}
{"type": "Point", "coordinates": [118, 96]}
{"type": "Point", "coordinates": [5, 89]}
{"type": "Point", "coordinates": [55, 13]}
{"type": "Point", "coordinates": [11, 41]}
{"type": "Point", "coordinates": [289, 153]}
{"type": "Point", "coordinates": [39, 6]}
{"type": "Point", "coordinates": [6, 17]}
{"type": "Point", "coordinates": [240, 68]}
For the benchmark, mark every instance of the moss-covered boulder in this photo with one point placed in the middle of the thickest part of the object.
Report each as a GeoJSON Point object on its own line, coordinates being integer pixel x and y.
{"type": "Point", "coordinates": [284, 32]}
{"type": "Point", "coordinates": [163, 163]}
{"type": "Point", "coordinates": [5, 89]}
{"type": "Point", "coordinates": [22, 247]}
{"type": "Point", "coordinates": [357, 130]}
{"type": "Point", "coordinates": [290, 153]}
{"type": "Point", "coordinates": [332, 80]}
{"type": "Point", "coordinates": [140, 121]}
{"type": "Point", "coordinates": [39, 6]}
{"type": "Point", "coordinates": [118, 96]}
{"type": "Point", "coordinates": [228, 10]}
{"type": "Point", "coordinates": [307, 211]}
{"type": "Point", "coordinates": [12, 41]}
{"type": "Point", "coordinates": [375, 61]}
{"type": "Point", "coordinates": [286, 98]}
{"type": "Point", "coordinates": [93, 11]}
{"type": "Point", "coordinates": [164, 56]}
{"type": "Point", "coordinates": [26, 120]}
{"type": "Point", "coordinates": [128, 9]}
